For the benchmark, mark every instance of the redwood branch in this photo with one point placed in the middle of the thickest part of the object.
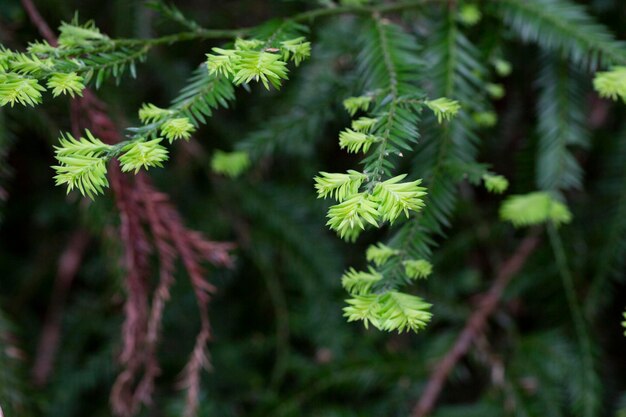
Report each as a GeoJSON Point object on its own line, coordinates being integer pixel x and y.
{"type": "Point", "coordinates": [474, 325]}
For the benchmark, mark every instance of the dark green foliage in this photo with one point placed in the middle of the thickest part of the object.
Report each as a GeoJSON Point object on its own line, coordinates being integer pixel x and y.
{"type": "Point", "coordinates": [280, 346]}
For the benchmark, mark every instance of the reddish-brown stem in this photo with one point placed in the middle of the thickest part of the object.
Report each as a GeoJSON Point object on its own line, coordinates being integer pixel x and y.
{"type": "Point", "coordinates": [474, 325]}
{"type": "Point", "coordinates": [69, 263]}
{"type": "Point", "coordinates": [39, 22]}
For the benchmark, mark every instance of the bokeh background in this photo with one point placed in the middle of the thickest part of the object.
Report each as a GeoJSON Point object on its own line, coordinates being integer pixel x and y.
{"type": "Point", "coordinates": [280, 345]}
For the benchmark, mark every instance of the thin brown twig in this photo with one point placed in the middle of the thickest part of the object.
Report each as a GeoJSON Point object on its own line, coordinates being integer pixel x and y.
{"type": "Point", "coordinates": [69, 264]}
{"type": "Point", "coordinates": [474, 325]}
{"type": "Point", "coordinates": [39, 22]}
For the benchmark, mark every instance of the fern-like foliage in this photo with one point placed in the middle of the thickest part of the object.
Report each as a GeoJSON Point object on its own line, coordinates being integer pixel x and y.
{"type": "Point", "coordinates": [563, 27]}
{"type": "Point", "coordinates": [561, 124]}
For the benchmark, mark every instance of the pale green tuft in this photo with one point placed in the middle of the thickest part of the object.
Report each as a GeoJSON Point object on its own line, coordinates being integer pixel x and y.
{"type": "Point", "coordinates": [70, 83]}
{"type": "Point", "coordinates": [364, 124]}
{"type": "Point", "coordinates": [417, 268]}
{"type": "Point", "coordinates": [496, 184]}
{"type": "Point", "coordinates": [611, 84]}
{"type": "Point", "coordinates": [15, 88]}
{"type": "Point", "coordinates": [534, 208]}
{"type": "Point", "coordinates": [389, 311]}
{"type": "Point", "coordinates": [339, 186]}
{"type": "Point", "coordinates": [296, 50]}
{"type": "Point", "coordinates": [360, 282]}
{"type": "Point", "coordinates": [149, 113]}
{"type": "Point", "coordinates": [470, 14]}
{"type": "Point", "coordinates": [354, 104]}
{"type": "Point", "coordinates": [349, 217]}
{"type": "Point", "coordinates": [380, 253]}
{"type": "Point", "coordinates": [395, 197]}
{"type": "Point", "coordinates": [138, 155]}
{"type": "Point", "coordinates": [444, 108]}
{"type": "Point", "coordinates": [179, 128]}
{"type": "Point", "coordinates": [355, 141]}
{"type": "Point", "coordinates": [485, 118]}
{"type": "Point", "coordinates": [82, 164]}
{"type": "Point", "coordinates": [231, 164]}
{"type": "Point", "coordinates": [495, 91]}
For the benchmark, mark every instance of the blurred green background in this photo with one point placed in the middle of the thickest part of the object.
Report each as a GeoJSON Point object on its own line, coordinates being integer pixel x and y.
{"type": "Point", "coordinates": [281, 346]}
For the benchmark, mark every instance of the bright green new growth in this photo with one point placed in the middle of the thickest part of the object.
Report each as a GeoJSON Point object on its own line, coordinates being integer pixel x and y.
{"type": "Point", "coordinates": [179, 128]}
{"type": "Point", "coordinates": [231, 164]}
{"type": "Point", "coordinates": [389, 311]}
{"type": "Point", "coordinates": [496, 91]}
{"type": "Point", "coordinates": [485, 118]}
{"type": "Point", "coordinates": [534, 208]}
{"type": "Point", "coordinates": [356, 141]}
{"type": "Point", "coordinates": [296, 50]}
{"type": "Point", "coordinates": [470, 14]}
{"type": "Point", "coordinates": [149, 113]}
{"type": "Point", "coordinates": [15, 88]}
{"type": "Point", "coordinates": [611, 84]}
{"type": "Point", "coordinates": [70, 83]}
{"type": "Point", "coordinates": [496, 184]}
{"type": "Point", "coordinates": [395, 197]}
{"type": "Point", "coordinates": [339, 186]}
{"type": "Point", "coordinates": [354, 104]}
{"type": "Point", "coordinates": [139, 155]}
{"type": "Point", "coordinates": [380, 253]}
{"type": "Point", "coordinates": [251, 61]}
{"type": "Point", "coordinates": [258, 65]}
{"type": "Point", "coordinates": [360, 282]}
{"type": "Point", "coordinates": [364, 124]}
{"type": "Point", "coordinates": [82, 164]}
{"type": "Point", "coordinates": [347, 218]}
{"type": "Point", "coordinates": [443, 108]}
{"type": "Point", "coordinates": [418, 268]}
